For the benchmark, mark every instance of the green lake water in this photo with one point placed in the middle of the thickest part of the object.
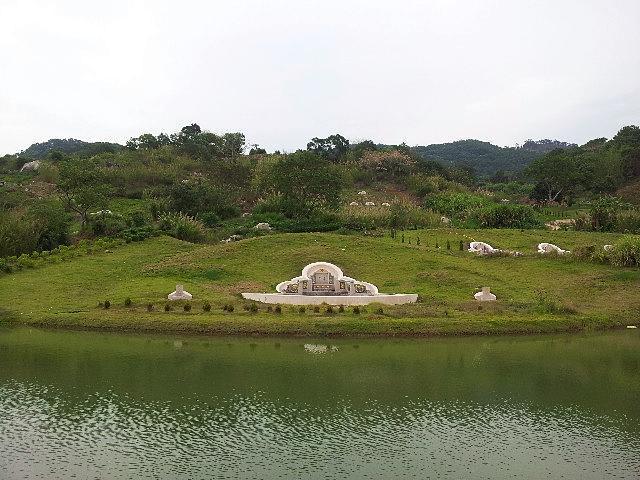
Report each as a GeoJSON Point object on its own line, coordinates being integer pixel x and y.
{"type": "Point", "coordinates": [100, 405]}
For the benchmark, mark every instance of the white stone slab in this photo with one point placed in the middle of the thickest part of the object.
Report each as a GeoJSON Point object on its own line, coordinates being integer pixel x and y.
{"type": "Point", "coordinates": [346, 300]}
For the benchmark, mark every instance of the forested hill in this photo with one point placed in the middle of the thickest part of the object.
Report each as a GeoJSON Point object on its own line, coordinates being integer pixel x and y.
{"type": "Point", "coordinates": [485, 158]}
{"type": "Point", "coordinates": [69, 146]}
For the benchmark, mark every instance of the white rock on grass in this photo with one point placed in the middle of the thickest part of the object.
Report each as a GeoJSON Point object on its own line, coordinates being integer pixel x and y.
{"type": "Point", "coordinates": [482, 248]}
{"type": "Point", "coordinates": [546, 248]}
{"type": "Point", "coordinates": [180, 294]}
{"type": "Point", "coordinates": [445, 220]}
{"type": "Point", "coordinates": [262, 226]}
{"type": "Point", "coordinates": [362, 192]}
{"type": "Point", "coordinates": [354, 204]}
{"type": "Point", "coordinates": [30, 166]}
{"type": "Point", "coordinates": [386, 204]}
{"type": "Point", "coordinates": [370, 204]}
{"type": "Point", "coordinates": [608, 248]}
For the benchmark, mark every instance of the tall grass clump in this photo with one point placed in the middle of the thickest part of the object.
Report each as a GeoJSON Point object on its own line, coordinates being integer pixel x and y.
{"type": "Point", "coordinates": [626, 252]}
{"type": "Point", "coordinates": [183, 227]}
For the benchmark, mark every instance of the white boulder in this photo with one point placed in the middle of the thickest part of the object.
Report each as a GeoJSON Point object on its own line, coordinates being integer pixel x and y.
{"type": "Point", "coordinates": [482, 248]}
{"type": "Point", "coordinates": [370, 204]}
{"type": "Point", "coordinates": [445, 220]}
{"type": "Point", "coordinates": [485, 295]}
{"type": "Point", "coordinates": [354, 204]}
{"type": "Point", "coordinates": [30, 166]}
{"type": "Point", "coordinates": [608, 248]}
{"type": "Point", "coordinates": [262, 226]}
{"type": "Point", "coordinates": [546, 248]}
{"type": "Point", "coordinates": [180, 294]}
{"type": "Point", "coordinates": [386, 204]}
{"type": "Point", "coordinates": [362, 192]}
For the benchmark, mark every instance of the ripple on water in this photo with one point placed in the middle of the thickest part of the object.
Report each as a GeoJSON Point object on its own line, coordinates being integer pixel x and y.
{"type": "Point", "coordinates": [44, 435]}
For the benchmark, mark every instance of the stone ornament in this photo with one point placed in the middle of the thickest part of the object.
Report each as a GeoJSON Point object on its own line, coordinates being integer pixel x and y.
{"type": "Point", "coordinates": [180, 294]}
{"type": "Point", "coordinates": [485, 295]}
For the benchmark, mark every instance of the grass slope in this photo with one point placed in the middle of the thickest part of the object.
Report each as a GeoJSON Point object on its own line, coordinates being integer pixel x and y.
{"type": "Point", "coordinates": [535, 294]}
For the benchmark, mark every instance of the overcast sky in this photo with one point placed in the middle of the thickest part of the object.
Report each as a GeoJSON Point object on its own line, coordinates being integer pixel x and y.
{"type": "Point", "coordinates": [283, 71]}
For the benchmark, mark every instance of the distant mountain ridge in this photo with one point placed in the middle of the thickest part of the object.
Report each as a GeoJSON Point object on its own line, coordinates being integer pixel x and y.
{"type": "Point", "coordinates": [68, 146]}
{"type": "Point", "coordinates": [485, 158]}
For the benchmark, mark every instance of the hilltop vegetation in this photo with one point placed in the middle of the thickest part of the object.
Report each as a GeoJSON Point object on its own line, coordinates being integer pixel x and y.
{"type": "Point", "coordinates": [68, 146]}
{"type": "Point", "coordinates": [204, 187]}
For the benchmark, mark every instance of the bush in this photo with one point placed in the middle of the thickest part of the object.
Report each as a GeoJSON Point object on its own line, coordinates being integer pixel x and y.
{"type": "Point", "coordinates": [356, 309]}
{"type": "Point", "coordinates": [316, 309]}
{"type": "Point", "coordinates": [187, 307]}
{"type": "Point", "coordinates": [183, 227]}
{"type": "Point", "coordinates": [604, 212]}
{"type": "Point", "coordinates": [329, 310]}
{"type": "Point", "coordinates": [253, 308]}
{"type": "Point", "coordinates": [341, 309]}
{"type": "Point", "coordinates": [107, 304]}
{"type": "Point", "coordinates": [628, 221]}
{"type": "Point", "coordinates": [278, 309]}
{"type": "Point", "coordinates": [626, 252]}
{"type": "Point", "coordinates": [302, 310]}
{"type": "Point", "coordinates": [149, 307]}
{"type": "Point", "coordinates": [379, 311]}
{"type": "Point", "coordinates": [457, 205]}
{"type": "Point", "coordinates": [506, 216]}
{"type": "Point", "coordinates": [127, 302]}
{"type": "Point", "coordinates": [206, 306]}
{"type": "Point", "coordinates": [167, 307]}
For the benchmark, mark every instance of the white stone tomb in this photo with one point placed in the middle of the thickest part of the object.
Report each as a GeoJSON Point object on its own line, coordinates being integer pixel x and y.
{"type": "Point", "coordinates": [323, 282]}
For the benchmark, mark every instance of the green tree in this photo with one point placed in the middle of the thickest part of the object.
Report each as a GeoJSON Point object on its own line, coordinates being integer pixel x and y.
{"type": "Point", "coordinates": [558, 174]}
{"type": "Point", "coordinates": [331, 148]}
{"type": "Point", "coordinates": [83, 187]}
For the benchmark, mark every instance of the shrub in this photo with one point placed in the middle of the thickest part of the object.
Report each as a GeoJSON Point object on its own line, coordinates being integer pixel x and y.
{"type": "Point", "coordinates": [206, 306]}
{"type": "Point", "coordinates": [506, 216]}
{"type": "Point", "coordinates": [302, 310]}
{"type": "Point", "coordinates": [329, 309]}
{"type": "Point", "coordinates": [278, 309]}
{"type": "Point", "coordinates": [356, 309]}
{"type": "Point", "coordinates": [626, 252]}
{"type": "Point", "coordinates": [379, 311]}
{"type": "Point", "coordinates": [253, 308]}
{"type": "Point", "coordinates": [316, 309]}
{"type": "Point", "coordinates": [270, 309]}
{"type": "Point", "coordinates": [167, 307]}
{"type": "Point", "coordinates": [183, 227]}
{"type": "Point", "coordinates": [187, 307]}
{"type": "Point", "coordinates": [628, 221]}
{"type": "Point", "coordinates": [341, 309]}
{"type": "Point", "coordinates": [127, 302]}
{"type": "Point", "coordinates": [149, 307]}
{"type": "Point", "coordinates": [107, 304]}
{"type": "Point", "coordinates": [457, 205]}
{"type": "Point", "coordinates": [604, 213]}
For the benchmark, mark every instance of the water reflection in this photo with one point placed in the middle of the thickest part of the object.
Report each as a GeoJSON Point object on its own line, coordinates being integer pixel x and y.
{"type": "Point", "coordinates": [109, 406]}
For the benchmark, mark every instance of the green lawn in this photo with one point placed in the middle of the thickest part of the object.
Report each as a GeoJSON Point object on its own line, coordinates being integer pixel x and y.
{"type": "Point", "coordinates": [535, 294]}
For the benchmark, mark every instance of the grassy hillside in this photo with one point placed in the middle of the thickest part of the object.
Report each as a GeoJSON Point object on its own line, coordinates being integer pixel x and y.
{"type": "Point", "coordinates": [535, 294]}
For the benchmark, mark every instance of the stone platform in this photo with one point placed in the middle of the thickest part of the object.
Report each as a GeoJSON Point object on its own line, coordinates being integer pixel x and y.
{"type": "Point", "coordinates": [336, 300]}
